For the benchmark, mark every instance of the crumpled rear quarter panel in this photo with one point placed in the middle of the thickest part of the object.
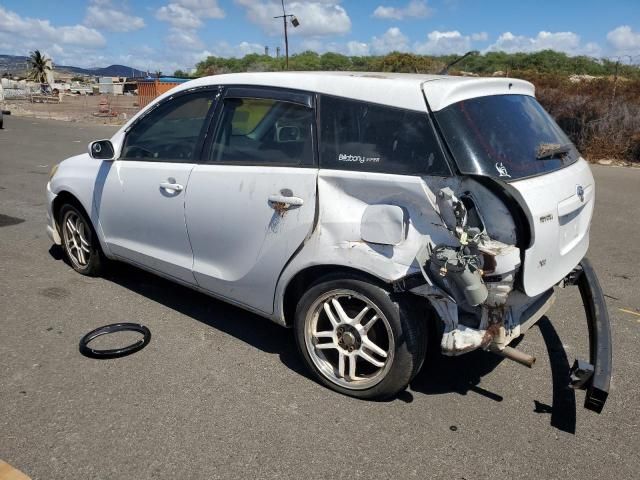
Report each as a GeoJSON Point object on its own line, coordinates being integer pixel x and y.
{"type": "Point", "coordinates": [343, 197]}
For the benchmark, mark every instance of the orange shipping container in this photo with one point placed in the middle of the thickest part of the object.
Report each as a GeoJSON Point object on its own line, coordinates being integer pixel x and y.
{"type": "Point", "coordinates": [150, 89]}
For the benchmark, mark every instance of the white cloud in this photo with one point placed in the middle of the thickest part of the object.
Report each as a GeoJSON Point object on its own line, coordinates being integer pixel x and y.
{"type": "Point", "coordinates": [392, 40]}
{"type": "Point", "coordinates": [63, 44]}
{"type": "Point", "coordinates": [184, 39]}
{"type": "Point", "coordinates": [189, 14]}
{"type": "Point", "coordinates": [169, 62]}
{"type": "Point", "coordinates": [414, 9]}
{"type": "Point", "coordinates": [314, 44]}
{"type": "Point", "coordinates": [204, 8]}
{"type": "Point", "coordinates": [185, 17]}
{"type": "Point", "coordinates": [567, 42]}
{"type": "Point", "coordinates": [320, 46]}
{"type": "Point", "coordinates": [224, 49]}
{"type": "Point", "coordinates": [359, 49]}
{"type": "Point", "coordinates": [80, 45]}
{"type": "Point", "coordinates": [624, 41]}
{"type": "Point", "coordinates": [178, 16]}
{"type": "Point", "coordinates": [480, 37]}
{"type": "Point", "coordinates": [28, 33]}
{"type": "Point", "coordinates": [104, 15]}
{"type": "Point", "coordinates": [317, 18]}
{"type": "Point", "coordinates": [444, 43]}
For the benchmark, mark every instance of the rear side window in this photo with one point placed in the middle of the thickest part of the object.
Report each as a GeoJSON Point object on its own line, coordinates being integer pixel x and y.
{"type": "Point", "coordinates": [259, 131]}
{"type": "Point", "coordinates": [171, 132]}
{"type": "Point", "coordinates": [374, 138]}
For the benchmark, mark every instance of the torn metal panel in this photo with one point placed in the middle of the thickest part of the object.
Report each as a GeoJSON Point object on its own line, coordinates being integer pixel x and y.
{"type": "Point", "coordinates": [478, 274]}
{"type": "Point", "coordinates": [344, 197]}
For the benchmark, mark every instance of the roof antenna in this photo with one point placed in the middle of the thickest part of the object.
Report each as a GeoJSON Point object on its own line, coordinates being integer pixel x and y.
{"type": "Point", "coordinates": [445, 70]}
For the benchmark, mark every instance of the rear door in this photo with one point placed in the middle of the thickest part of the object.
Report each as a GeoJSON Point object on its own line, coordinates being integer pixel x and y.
{"type": "Point", "coordinates": [140, 196]}
{"type": "Point", "coordinates": [251, 204]}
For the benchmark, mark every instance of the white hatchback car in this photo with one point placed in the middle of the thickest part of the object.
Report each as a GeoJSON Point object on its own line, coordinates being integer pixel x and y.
{"type": "Point", "coordinates": [355, 208]}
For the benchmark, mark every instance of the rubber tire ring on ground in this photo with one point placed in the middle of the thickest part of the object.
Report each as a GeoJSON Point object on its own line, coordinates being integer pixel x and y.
{"type": "Point", "coordinates": [114, 352]}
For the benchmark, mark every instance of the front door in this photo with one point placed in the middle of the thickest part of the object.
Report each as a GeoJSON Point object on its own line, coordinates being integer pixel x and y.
{"type": "Point", "coordinates": [251, 205]}
{"type": "Point", "coordinates": [140, 196]}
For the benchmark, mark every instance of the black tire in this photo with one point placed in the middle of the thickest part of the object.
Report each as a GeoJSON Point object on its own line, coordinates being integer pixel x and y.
{"type": "Point", "coordinates": [94, 264]}
{"type": "Point", "coordinates": [408, 329]}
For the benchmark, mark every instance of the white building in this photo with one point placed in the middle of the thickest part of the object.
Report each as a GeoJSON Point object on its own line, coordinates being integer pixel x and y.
{"type": "Point", "coordinates": [111, 85]}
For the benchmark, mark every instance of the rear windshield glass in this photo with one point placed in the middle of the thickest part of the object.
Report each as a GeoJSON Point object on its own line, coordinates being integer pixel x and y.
{"type": "Point", "coordinates": [505, 136]}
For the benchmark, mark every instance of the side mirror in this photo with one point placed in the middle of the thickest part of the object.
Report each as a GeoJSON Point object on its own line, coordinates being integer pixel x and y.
{"type": "Point", "coordinates": [102, 150]}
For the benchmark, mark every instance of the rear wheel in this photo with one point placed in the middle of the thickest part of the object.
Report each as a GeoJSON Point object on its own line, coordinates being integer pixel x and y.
{"type": "Point", "coordinates": [79, 241]}
{"type": "Point", "coordinates": [357, 339]}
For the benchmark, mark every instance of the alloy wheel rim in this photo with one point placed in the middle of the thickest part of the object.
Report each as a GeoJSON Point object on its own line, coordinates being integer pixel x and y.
{"type": "Point", "coordinates": [349, 339]}
{"type": "Point", "coordinates": [77, 240]}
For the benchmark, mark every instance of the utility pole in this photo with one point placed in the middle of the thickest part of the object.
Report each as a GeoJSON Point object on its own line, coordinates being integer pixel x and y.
{"type": "Point", "coordinates": [295, 23]}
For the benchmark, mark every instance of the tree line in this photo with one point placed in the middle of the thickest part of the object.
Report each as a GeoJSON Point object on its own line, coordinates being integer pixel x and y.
{"type": "Point", "coordinates": [543, 62]}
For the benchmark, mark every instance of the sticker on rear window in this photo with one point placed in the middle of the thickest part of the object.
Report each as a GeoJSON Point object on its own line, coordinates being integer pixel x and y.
{"type": "Point", "coordinates": [502, 170]}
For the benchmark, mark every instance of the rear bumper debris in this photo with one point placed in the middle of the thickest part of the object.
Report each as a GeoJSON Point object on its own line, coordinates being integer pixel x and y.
{"type": "Point", "coordinates": [593, 376]}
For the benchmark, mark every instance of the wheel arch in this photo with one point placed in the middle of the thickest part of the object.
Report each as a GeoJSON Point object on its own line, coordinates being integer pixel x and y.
{"type": "Point", "coordinates": [62, 198]}
{"type": "Point", "coordinates": [303, 279]}
{"type": "Point", "coordinates": [65, 196]}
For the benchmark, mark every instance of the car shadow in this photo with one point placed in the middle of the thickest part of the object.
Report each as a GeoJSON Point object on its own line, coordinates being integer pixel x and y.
{"type": "Point", "coordinates": [440, 375]}
{"type": "Point", "coordinates": [241, 324]}
{"type": "Point", "coordinates": [563, 408]}
{"type": "Point", "coordinates": [463, 374]}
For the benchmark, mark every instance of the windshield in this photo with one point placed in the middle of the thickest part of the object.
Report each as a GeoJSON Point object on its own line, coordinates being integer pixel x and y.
{"type": "Point", "coordinates": [505, 136]}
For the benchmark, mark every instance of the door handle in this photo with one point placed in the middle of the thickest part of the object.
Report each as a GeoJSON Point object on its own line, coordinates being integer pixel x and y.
{"type": "Point", "coordinates": [176, 187]}
{"type": "Point", "coordinates": [285, 202]}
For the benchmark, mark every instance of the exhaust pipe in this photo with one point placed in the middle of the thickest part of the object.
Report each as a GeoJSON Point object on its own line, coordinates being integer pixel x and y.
{"type": "Point", "coordinates": [515, 355]}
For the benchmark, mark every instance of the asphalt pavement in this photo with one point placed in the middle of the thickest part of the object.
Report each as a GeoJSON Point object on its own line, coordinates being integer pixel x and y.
{"type": "Point", "coordinates": [221, 393]}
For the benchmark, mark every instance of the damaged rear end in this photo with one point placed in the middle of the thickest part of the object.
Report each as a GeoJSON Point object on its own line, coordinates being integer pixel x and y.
{"type": "Point", "coordinates": [518, 215]}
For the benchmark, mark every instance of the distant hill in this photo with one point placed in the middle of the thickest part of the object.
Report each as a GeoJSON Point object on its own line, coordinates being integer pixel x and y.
{"type": "Point", "coordinates": [18, 64]}
{"type": "Point", "coordinates": [110, 71]}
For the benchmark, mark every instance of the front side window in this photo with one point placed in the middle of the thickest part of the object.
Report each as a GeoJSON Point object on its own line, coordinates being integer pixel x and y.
{"type": "Point", "coordinates": [171, 132]}
{"type": "Point", "coordinates": [368, 137]}
{"type": "Point", "coordinates": [504, 136]}
{"type": "Point", "coordinates": [259, 131]}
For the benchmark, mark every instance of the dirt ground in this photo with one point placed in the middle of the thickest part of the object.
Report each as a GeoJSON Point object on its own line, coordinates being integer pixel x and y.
{"type": "Point", "coordinates": [79, 108]}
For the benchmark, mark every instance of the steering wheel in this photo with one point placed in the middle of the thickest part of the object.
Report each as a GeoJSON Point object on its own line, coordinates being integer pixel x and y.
{"type": "Point", "coordinates": [182, 150]}
{"type": "Point", "coordinates": [136, 151]}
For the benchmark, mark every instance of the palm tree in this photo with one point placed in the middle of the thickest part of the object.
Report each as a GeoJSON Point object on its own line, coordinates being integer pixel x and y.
{"type": "Point", "coordinates": [40, 65]}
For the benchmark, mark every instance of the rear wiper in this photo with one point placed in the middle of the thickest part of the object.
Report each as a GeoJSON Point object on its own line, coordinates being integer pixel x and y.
{"type": "Point", "coordinates": [550, 150]}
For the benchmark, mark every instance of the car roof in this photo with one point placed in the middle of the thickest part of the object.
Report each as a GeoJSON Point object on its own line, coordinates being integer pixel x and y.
{"type": "Point", "coordinates": [402, 90]}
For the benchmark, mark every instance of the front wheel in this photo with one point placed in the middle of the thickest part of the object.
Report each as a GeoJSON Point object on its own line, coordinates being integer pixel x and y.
{"type": "Point", "coordinates": [79, 241]}
{"type": "Point", "coordinates": [357, 339]}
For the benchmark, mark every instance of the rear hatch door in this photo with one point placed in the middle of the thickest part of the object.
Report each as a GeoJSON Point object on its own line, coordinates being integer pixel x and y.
{"type": "Point", "coordinates": [561, 204]}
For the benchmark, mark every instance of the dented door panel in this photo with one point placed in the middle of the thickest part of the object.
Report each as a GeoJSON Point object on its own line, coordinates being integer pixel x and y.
{"type": "Point", "coordinates": [241, 240]}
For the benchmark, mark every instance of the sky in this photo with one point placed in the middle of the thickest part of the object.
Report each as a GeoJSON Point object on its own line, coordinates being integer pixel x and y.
{"type": "Point", "coordinates": [167, 35]}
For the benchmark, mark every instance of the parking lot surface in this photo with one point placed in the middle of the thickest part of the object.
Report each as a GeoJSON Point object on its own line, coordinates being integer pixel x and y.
{"type": "Point", "coordinates": [221, 393]}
